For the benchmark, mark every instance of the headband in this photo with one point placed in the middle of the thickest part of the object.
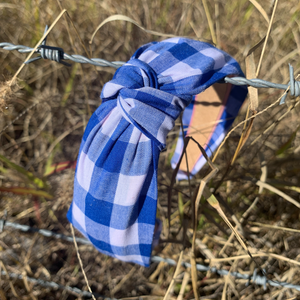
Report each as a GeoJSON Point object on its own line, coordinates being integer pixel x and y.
{"type": "Point", "coordinates": [115, 186]}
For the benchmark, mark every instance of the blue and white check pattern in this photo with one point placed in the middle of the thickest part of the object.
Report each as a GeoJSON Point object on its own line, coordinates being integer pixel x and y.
{"type": "Point", "coordinates": [115, 186]}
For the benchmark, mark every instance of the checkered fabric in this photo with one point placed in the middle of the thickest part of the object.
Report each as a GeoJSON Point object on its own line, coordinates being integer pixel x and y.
{"type": "Point", "coordinates": [115, 186]}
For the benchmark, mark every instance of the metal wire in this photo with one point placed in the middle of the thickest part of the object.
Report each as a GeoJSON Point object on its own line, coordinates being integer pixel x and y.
{"type": "Point", "coordinates": [254, 278]}
{"type": "Point", "coordinates": [58, 55]}
{"type": "Point", "coordinates": [44, 232]}
{"type": "Point", "coordinates": [54, 285]}
{"type": "Point", "coordinates": [293, 85]}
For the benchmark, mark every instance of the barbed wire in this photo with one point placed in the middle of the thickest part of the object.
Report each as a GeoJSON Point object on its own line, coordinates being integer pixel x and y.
{"type": "Point", "coordinates": [58, 55]}
{"type": "Point", "coordinates": [53, 285]}
{"type": "Point", "coordinates": [43, 232]}
{"type": "Point", "coordinates": [254, 278]}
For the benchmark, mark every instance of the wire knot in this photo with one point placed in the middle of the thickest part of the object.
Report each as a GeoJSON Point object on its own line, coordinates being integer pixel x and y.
{"type": "Point", "coordinates": [294, 85]}
{"type": "Point", "coordinates": [260, 280]}
{"type": "Point", "coordinates": [49, 52]}
{"type": "Point", "coordinates": [52, 53]}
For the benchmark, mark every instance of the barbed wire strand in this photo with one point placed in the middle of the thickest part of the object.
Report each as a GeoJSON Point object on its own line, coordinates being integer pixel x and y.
{"type": "Point", "coordinates": [58, 55]}
{"type": "Point", "coordinates": [254, 278]}
{"type": "Point", "coordinates": [54, 285]}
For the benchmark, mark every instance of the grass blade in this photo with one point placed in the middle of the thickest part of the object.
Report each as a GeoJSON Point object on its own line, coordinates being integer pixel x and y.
{"type": "Point", "coordinates": [261, 10]}
{"type": "Point", "coordinates": [38, 182]}
{"type": "Point", "coordinates": [25, 191]}
{"type": "Point", "coordinates": [127, 19]}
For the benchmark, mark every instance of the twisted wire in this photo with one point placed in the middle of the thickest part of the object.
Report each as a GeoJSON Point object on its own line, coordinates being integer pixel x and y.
{"type": "Point", "coordinates": [58, 55]}
{"type": "Point", "coordinates": [293, 85]}
{"type": "Point", "coordinates": [53, 285]}
{"type": "Point", "coordinates": [254, 278]}
{"type": "Point", "coordinates": [44, 232]}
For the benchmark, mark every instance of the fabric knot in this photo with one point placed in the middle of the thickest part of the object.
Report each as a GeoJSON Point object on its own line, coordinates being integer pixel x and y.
{"type": "Point", "coordinates": [133, 75]}
{"type": "Point", "coordinates": [135, 87]}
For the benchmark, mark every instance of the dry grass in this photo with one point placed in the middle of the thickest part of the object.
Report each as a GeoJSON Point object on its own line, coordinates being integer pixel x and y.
{"type": "Point", "coordinates": [60, 101]}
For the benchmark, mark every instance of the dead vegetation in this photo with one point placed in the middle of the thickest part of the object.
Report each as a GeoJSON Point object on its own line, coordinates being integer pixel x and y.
{"type": "Point", "coordinates": [43, 125]}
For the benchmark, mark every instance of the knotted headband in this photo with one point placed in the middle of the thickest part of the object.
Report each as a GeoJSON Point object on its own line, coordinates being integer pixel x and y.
{"type": "Point", "coordinates": [115, 186]}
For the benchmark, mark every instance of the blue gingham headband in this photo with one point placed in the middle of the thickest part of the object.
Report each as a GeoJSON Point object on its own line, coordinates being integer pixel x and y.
{"type": "Point", "coordinates": [115, 186]}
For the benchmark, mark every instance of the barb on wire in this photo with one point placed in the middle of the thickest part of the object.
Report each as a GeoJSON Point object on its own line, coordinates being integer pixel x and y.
{"type": "Point", "coordinates": [293, 85]}
{"type": "Point", "coordinates": [58, 55]}
{"type": "Point", "coordinates": [52, 55]}
{"type": "Point", "coordinates": [254, 278]}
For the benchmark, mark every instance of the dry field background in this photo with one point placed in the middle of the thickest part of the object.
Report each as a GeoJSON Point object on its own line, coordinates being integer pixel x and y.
{"type": "Point", "coordinates": [61, 100]}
